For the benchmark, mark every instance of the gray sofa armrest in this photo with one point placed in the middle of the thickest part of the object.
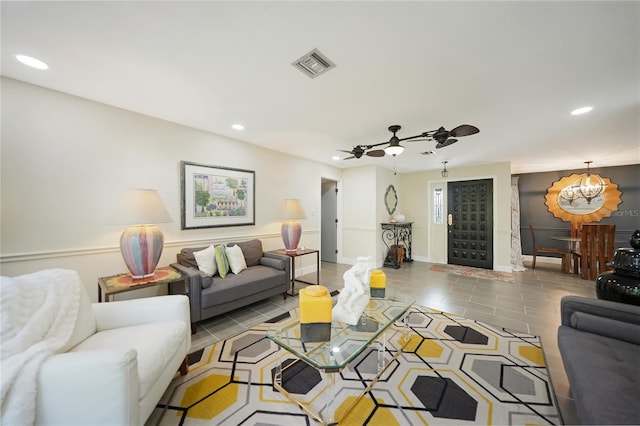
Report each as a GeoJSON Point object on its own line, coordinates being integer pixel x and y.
{"type": "Point", "coordinates": [195, 289]}
{"type": "Point", "coordinates": [604, 308]}
{"type": "Point", "coordinates": [603, 317]}
{"type": "Point", "coordinates": [272, 259]}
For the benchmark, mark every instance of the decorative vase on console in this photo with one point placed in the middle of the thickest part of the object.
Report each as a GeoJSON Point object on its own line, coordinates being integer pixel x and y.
{"type": "Point", "coordinates": [398, 218]}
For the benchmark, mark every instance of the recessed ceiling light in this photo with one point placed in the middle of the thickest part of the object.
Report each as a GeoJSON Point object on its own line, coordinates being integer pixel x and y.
{"type": "Point", "coordinates": [32, 62]}
{"type": "Point", "coordinates": [335, 158]}
{"type": "Point", "coordinates": [582, 110]}
{"type": "Point", "coordinates": [237, 126]}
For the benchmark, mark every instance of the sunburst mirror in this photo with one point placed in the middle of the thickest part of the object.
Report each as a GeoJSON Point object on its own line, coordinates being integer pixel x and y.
{"type": "Point", "coordinates": [566, 201]}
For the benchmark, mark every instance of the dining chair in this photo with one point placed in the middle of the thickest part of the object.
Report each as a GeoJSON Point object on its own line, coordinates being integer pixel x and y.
{"type": "Point", "coordinates": [576, 232]}
{"type": "Point", "coordinates": [566, 253]}
{"type": "Point", "coordinates": [597, 245]}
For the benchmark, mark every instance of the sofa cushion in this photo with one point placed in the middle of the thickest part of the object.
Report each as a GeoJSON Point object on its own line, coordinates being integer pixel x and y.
{"type": "Point", "coordinates": [156, 344]}
{"type": "Point", "coordinates": [206, 260]}
{"type": "Point", "coordinates": [252, 280]}
{"type": "Point", "coordinates": [187, 258]}
{"type": "Point", "coordinates": [236, 260]}
{"type": "Point", "coordinates": [274, 263]}
{"type": "Point", "coordinates": [222, 261]}
{"type": "Point", "coordinates": [252, 251]}
{"type": "Point", "coordinates": [603, 374]}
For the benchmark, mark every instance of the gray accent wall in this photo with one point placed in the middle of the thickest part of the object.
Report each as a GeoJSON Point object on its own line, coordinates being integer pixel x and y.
{"type": "Point", "coordinates": [533, 188]}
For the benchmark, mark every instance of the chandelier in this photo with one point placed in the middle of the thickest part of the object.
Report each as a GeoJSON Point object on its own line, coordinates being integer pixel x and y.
{"type": "Point", "coordinates": [587, 186]}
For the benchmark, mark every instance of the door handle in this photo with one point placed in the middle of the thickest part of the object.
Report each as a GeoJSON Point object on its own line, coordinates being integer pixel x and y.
{"type": "Point", "coordinates": [450, 219]}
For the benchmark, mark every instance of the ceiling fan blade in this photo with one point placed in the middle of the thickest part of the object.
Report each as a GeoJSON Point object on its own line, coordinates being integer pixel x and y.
{"type": "Point", "coordinates": [446, 143]}
{"type": "Point", "coordinates": [344, 150]}
{"type": "Point", "coordinates": [419, 140]}
{"type": "Point", "coordinates": [464, 130]}
{"type": "Point", "coordinates": [349, 158]}
{"type": "Point", "coordinates": [376, 153]}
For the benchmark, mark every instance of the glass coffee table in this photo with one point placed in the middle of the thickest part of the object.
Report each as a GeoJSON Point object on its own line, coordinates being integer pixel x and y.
{"type": "Point", "coordinates": [347, 342]}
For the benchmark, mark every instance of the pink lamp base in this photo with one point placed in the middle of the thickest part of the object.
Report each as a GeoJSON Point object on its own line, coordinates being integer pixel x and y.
{"type": "Point", "coordinates": [141, 247]}
{"type": "Point", "coordinates": [291, 232]}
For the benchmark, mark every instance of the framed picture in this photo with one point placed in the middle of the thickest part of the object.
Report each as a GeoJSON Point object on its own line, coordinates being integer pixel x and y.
{"type": "Point", "coordinates": [214, 196]}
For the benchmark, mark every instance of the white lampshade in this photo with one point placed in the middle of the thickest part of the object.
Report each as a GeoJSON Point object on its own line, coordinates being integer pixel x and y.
{"type": "Point", "coordinates": [292, 209]}
{"type": "Point", "coordinates": [141, 243]}
{"type": "Point", "coordinates": [140, 206]}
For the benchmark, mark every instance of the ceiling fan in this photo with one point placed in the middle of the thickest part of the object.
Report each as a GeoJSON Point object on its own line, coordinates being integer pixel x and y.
{"type": "Point", "coordinates": [442, 137]}
{"type": "Point", "coordinates": [359, 150]}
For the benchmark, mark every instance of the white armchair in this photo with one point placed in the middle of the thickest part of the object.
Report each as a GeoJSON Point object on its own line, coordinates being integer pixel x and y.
{"type": "Point", "coordinates": [118, 362]}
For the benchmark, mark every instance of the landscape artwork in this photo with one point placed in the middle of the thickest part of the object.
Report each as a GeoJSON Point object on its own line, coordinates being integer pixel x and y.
{"type": "Point", "coordinates": [214, 196]}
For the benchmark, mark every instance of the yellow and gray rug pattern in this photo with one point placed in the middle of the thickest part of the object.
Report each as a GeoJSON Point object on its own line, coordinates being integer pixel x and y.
{"type": "Point", "coordinates": [453, 371]}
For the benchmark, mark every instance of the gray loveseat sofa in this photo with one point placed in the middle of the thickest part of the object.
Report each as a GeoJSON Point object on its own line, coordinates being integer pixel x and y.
{"type": "Point", "coordinates": [599, 342]}
{"type": "Point", "coordinates": [267, 274]}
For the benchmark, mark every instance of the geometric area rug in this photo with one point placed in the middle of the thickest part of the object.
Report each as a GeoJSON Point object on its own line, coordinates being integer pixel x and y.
{"type": "Point", "coordinates": [452, 371]}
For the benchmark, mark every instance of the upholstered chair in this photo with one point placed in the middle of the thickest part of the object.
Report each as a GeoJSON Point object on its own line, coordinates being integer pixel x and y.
{"type": "Point", "coordinates": [111, 369]}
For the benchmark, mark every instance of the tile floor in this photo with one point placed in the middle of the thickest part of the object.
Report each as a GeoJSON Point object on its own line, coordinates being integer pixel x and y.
{"type": "Point", "coordinates": [531, 304]}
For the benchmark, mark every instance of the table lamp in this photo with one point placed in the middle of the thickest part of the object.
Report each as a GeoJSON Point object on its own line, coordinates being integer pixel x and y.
{"type": "Point", "coordinates": [291, 230]}
{"type": "Point", "coordinates": [141, 243]}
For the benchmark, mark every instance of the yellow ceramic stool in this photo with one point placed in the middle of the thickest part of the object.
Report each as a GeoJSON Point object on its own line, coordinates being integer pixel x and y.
{"type": "Point", "coordinates": [377, 283]}
{"type": "Point", "coordinates": [315, 314]}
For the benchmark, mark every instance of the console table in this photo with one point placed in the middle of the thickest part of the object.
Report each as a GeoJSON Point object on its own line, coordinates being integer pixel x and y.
{"type": "Point", "coordinates": [394, 235]}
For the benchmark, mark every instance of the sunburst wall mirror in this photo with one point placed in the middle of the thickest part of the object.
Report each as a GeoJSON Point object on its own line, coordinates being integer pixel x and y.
{"type": "Point", "coordinates": [583, 198]}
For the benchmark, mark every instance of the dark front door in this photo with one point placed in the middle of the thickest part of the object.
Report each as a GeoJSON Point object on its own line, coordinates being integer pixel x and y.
{"type": "Point", "coordinates": [470, 223]}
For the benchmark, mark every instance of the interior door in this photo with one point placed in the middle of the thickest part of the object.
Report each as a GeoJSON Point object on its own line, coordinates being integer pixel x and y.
{"type": "Point", "coordinates": [470, 223]}
{"type": "Point", "coordinates": [329, 222]}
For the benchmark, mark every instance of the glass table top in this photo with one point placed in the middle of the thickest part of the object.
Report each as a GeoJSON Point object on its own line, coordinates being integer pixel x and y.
{"type": "Point", "coordinates": [347, 341]}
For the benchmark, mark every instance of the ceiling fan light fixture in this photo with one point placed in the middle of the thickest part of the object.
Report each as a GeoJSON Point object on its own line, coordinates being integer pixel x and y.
{"type": "Point", "coordinates": [394, 150]}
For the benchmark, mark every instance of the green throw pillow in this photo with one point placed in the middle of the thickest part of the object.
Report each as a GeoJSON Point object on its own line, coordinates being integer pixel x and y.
{"type": "Point", "coordinates": [222, 261]}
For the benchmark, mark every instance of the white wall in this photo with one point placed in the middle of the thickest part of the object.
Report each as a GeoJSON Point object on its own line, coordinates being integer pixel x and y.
{"type": "Point", "coordinates": [429, 239]}
{"type": "Point", "coordinates": [66, 160]}
{"type": "Point", "coordinates": [363, 211]}
{"type": "Point", "coordinates": [358, 214]}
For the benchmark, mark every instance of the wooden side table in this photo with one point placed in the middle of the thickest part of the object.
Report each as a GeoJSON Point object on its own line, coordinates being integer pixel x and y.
{"type": "Point", "coordinates": [123, 282]}
{"type": "Point", "coordinates": [292, 256]}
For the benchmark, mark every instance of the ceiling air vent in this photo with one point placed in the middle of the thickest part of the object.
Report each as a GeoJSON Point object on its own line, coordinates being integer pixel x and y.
{"type": "Point", "coordinates": [313, 64]}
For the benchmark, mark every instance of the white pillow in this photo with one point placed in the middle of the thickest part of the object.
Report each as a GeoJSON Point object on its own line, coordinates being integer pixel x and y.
{"type": "Point", "coordinates": [206, 260]}
{"type": "Point", "coordinates": [236, 259]}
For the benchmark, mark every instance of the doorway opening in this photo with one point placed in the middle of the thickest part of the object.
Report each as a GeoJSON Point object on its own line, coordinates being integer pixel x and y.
{"type": "Point", "coordinates": [329, 221]}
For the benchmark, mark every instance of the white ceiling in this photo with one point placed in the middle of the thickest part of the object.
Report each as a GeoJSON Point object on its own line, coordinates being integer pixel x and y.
{"type": "Point", "coordinates": [513, 69]}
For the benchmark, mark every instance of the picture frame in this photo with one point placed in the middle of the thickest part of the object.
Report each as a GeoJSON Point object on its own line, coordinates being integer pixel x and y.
{"type": "Point", "coordinates": [215, 196]}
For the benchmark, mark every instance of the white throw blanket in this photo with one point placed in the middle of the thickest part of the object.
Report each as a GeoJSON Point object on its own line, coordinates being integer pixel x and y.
{"type": "Point", "coordinates": [38, 313]}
